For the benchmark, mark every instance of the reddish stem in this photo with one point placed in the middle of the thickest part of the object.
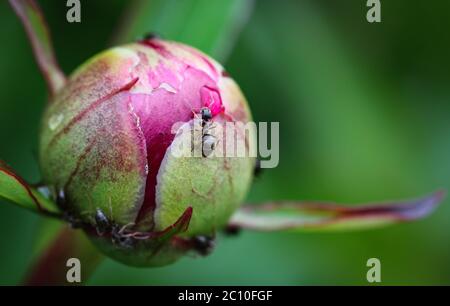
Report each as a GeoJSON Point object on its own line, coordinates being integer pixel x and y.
{"type": "Point", "coordinates": [38, 33]}
{"type": "Point", "coordinates": [50, 268]}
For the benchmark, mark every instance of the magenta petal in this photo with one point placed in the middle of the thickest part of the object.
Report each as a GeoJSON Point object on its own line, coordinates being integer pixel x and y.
{"type": "Point", "coordinates": [160, 110]}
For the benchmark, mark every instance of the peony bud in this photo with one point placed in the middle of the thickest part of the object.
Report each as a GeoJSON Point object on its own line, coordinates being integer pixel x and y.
{"type": "Point", "coordinates": [106, 140]}
{"type": "Point", "coordinates": [137, 152]}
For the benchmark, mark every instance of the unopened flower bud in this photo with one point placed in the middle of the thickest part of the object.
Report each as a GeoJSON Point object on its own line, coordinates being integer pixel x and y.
{"type": "Point", "coordinates": [106, 138]}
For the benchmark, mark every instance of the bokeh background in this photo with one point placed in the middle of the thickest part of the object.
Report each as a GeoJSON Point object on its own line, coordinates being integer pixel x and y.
{"type": "Point", "coordinates": [364, 112]}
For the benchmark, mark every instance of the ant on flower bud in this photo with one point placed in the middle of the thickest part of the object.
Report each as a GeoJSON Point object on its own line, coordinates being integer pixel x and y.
{"type": "Point", "coordinates": [206, 115]}
{"type": "Point", "coordinates": [258, 169]}
{"type": "Point", "coordinates": [209, 141]}
{"type": "Point", "coordinates": [102, 222]}
{"type": "Point", "coordinates": [118, 237]}
{"type": "Point", "coordinates": [204, 245]}
{"type": "Point", "coordinates": [151, 35]}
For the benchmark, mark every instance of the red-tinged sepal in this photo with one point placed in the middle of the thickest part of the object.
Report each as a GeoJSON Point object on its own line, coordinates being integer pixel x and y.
{"type": "Point", "coordinates": [308, 216]}
{"type": "Point", "coordinates": [146, 249]}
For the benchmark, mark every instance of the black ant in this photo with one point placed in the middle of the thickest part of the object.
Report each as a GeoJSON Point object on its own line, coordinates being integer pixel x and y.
{"type": "Point", "coordinates": [67, 215]}
{"type": "Point", "coordinates": [103, 225]}
{"type": "Point", "coordinates": [203, 244]}
{"type": "Point", "coordinates": [206, 115]}
{"type": "Point", "coordinates": [209, 141]}
{"type": "Point", "coordinates": [118, 235]}
{"type": "Point", "coordinates": [257, 170]}
{"type": "Point", "coordinates": [232, 230]}
{"type": "Point", "coordinates": [151, 35]}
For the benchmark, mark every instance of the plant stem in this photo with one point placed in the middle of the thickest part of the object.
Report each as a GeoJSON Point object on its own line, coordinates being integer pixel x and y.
{"type": "Point", "coordinates": [50, 268]}
{"type": "Point", "coordinates": [38, 33]}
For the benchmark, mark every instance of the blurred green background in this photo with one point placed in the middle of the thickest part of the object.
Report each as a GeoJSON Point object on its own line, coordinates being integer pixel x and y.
{"type": "Point", "coordinates": [364, 112]}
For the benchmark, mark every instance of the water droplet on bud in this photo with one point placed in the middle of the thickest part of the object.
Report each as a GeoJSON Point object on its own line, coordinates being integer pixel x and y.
{"type": "Point", "coordinates": [55, 121]}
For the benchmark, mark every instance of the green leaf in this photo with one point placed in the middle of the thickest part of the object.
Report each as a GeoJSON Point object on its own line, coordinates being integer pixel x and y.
{"type": "Point", "coordinates": [331, 217]}
{"type": "Point", "coordinates": [16, 190]}
{"type": "Point", "coordinates": [211, 26]}
{"type": "Point", "coordinates": [33, 20]}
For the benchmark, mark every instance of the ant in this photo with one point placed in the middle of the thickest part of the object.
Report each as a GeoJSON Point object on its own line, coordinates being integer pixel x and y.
{"type": "Point", "coordinates": [103, 225]}
{"type": "Point", "coordinates": [118, 235]}
{"type": "Point", "coordinates": [67, 215]}
{"type": "Point", "coordinates": [209, 141]}
{"type": "Point", "coordinates": [206, 115]}
{"type": "Point", "coordinates": [232, 230]}
{"type": "Point", "coordinates": [151, 35]}
{"type": "Point", "coordinates": [203, 244]}
{"type": "Point", "coordinates": [258, 169]}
